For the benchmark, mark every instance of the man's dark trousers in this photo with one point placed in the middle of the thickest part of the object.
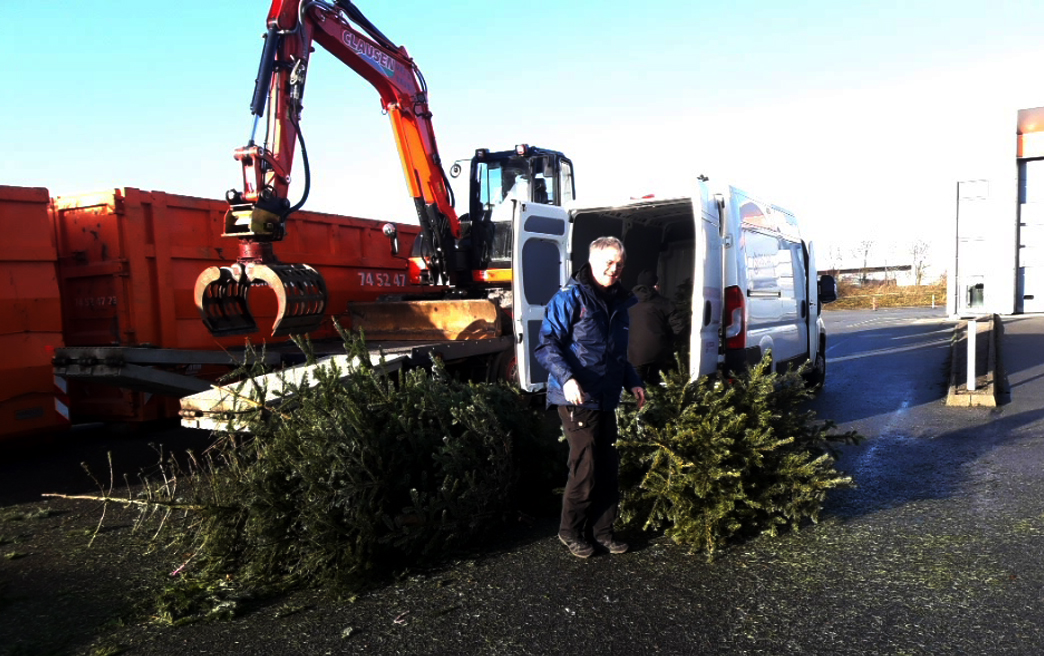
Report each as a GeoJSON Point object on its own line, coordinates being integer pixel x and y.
{"type": "Point", "coordinates": [592, 492]}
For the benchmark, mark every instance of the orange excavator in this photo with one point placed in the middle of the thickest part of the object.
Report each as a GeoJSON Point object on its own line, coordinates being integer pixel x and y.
{"type": "Point", "coordinates": [467, 255]}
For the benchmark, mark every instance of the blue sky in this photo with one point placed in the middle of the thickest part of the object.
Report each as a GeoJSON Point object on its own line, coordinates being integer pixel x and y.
{"type": "Point", "coordinates": [859, 116]}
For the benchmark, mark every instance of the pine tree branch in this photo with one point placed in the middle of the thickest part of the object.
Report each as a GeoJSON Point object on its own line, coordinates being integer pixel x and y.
{"type": "Point", "coordinates": [127, 502]}
{"type": "Point", "coordinates": [250, 401]}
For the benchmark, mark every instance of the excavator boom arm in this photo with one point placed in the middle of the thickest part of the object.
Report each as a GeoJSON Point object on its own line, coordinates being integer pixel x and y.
{"type": "Point", "coordinates": [258, 212]}
{"type": "Point", "coordinates": [388, 68]}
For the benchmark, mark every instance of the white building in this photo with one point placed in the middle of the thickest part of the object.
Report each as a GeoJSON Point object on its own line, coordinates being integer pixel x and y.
{"type": "Point", "coordinates": [998, 263]}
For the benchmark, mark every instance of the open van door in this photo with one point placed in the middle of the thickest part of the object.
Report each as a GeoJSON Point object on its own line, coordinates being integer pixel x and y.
{"type": "Point", "coordinates": [815, 308]}
{"type": "Point", "coordinates": [707, 282]}
{"type": "Point", "coordinates": [812, 294]}
{"type": "Point", "coordinates": [540, 267]}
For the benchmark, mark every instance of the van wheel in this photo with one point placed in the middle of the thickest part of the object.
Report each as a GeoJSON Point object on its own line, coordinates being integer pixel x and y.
{"type": "Point", "coordinates": [816, 376]}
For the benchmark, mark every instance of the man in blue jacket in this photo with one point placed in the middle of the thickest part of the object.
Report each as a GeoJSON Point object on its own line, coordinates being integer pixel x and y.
{"type": "Point", "coordinates": [583, 344]}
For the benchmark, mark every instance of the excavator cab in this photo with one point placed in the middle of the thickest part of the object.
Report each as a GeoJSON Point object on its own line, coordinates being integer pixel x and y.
{"type": "Point", "coordinates": [527, 174]}
{"type": "Point", "coordinates": [498, 181]}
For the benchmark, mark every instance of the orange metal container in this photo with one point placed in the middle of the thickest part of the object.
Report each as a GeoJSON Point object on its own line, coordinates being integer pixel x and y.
{"type": "Point", "coordinates": [128, 262]}
{"type": "Point", "coordinates": [30, 316]}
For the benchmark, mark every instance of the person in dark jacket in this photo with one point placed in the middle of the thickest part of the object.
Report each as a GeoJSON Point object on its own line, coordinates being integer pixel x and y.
{"type": "Point", "coordinates": [655, 323]}
{"type": "Point", "coordinates": [583, 345]}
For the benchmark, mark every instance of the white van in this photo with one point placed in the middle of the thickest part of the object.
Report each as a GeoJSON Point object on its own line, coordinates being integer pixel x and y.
{"type": "Point", "coordinates": [773, 295]}
{"type": "Point", "coordinates": [754, 282]}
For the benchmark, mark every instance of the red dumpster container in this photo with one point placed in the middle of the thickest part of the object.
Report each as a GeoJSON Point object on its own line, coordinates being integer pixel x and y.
{"type": "Point", "coordinates": [128, 262]}
{"type": "Point", "coordinates": [30, 316]}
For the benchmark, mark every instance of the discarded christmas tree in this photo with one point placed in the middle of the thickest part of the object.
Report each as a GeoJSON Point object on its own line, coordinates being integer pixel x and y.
{"type": "Point", "coordinates": [713, 460]}
{"type": "Point", "coordinates": [357, 475]}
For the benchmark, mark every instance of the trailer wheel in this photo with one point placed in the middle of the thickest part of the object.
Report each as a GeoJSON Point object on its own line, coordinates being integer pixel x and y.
{"type": "Point", "coordinates": [504, 367]}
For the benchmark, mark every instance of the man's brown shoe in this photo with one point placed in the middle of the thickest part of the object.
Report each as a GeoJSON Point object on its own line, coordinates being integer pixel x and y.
{"type": "Point", "coordinates": [578, 548]}
{"type": "Point", "coordinates": [613, 546]}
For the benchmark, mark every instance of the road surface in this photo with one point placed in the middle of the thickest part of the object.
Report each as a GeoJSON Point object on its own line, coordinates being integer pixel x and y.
{"type": "Point", "coordinates": [937, 551]}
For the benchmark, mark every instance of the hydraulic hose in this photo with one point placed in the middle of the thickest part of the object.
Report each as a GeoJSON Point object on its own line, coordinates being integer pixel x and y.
{"type": "Point", "coordinates": [307, 172]}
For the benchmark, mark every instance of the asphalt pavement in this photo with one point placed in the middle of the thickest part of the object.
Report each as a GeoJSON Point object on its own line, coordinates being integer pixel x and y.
{"type": "Point", "coordinates": [939, 550]}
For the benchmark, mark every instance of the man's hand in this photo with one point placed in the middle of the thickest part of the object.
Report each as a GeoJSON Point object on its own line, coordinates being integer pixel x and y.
{"type": "Point", "coordinates": [573, 394]}
{"type": "Point", "coordinates": [639, 393]}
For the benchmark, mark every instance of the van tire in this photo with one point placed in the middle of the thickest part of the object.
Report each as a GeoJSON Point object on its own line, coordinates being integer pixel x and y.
{"type": "Point", "coordinates": [816, 376]}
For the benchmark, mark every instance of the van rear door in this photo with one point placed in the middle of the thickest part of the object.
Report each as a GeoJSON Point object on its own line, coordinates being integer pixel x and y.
{"type": "Point", "coordinates": [707, 282]}
{"type": "Point", "coordinates": [540, 267]}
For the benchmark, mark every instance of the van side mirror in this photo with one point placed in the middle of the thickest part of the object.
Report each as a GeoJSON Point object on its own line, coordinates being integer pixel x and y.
{"type": "Point", "coordinates": [827, 289]}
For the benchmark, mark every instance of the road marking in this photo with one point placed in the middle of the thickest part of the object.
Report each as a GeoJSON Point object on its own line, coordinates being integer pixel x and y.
{"type": "Point", "coordinates": [890, 424]}
{"type": "Point", "coordinates": [892, 321]}
{"type": "Point", "coordinates": [889, 351]}
{"type": "Point", "coordinates": [844, 337]}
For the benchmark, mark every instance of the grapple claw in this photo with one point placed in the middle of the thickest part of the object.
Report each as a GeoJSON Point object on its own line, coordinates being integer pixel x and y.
{"type": "Point", "coordinates": [221, 297]}
{"type": "Point", "coordinates": [300, 291]}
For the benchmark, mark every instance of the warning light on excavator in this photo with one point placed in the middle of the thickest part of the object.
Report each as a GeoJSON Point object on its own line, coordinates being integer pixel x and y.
{"type": "Point", "coordinates": [521, 149]}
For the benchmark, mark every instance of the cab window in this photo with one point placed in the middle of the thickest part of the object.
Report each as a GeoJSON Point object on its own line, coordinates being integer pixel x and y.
{"type": "Point", "coordinates": [566, 193]}
{"type": "Point", "coordinates": [489, 179]}
{"type": "Point", "coordinates": [500, 181]}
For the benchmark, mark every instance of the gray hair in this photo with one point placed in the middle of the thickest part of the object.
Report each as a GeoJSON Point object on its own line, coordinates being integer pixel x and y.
{"type": "Point", "coordinates": [605, 243]}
